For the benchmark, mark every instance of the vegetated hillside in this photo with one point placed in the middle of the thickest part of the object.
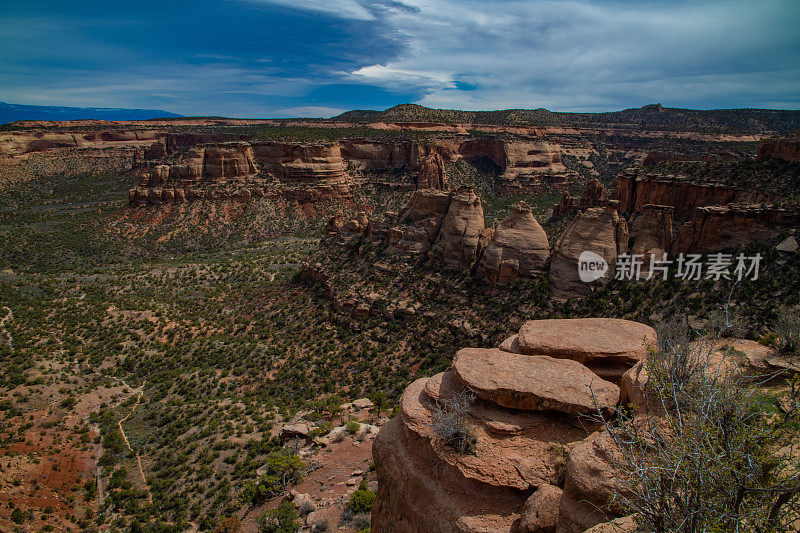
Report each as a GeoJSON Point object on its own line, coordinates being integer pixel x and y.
{"type": "Point", "coordinates": [650, 117]}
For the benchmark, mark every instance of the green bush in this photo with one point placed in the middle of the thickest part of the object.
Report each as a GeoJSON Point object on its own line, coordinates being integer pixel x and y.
{"type": "Point", "coordinates": [361, 501]}
{"type": "Point", "coordinates": [280, 520]}
{"type": "Point", "coordinates": [284, 468]}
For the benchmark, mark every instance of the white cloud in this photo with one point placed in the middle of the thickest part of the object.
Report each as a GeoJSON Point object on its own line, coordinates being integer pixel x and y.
{"type": "Point", "coordinates": [346, 9]}
{"type": "Point", "coordinates": [584, 55]}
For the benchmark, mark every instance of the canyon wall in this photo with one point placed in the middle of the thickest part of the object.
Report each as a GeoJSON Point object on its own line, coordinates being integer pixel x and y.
{"type": "Point", "coordinates": [637, 188]}
{"type": "Point", "coordinates": [786, 147]}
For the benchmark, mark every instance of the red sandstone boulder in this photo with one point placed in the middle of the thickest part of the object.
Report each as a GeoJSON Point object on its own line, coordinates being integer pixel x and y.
{"type": "Point", "coordinates": [533, 383]}
{"type": "Point", "coordinates": [540, 513]}
{"type": "Point", "coordinates": [590, 488]}
{"type": "Point", "coordinates": [587, 339]}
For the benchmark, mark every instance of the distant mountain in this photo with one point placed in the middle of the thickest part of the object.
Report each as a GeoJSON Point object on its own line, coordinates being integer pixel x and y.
{"type": "Point", "coordinates": [652, 117]}
{"type": "Point", "coordinates": [13, 112]}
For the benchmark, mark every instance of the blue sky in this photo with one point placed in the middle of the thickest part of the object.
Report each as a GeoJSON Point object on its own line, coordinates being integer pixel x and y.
{"type": "Point", "coordinates": [272, 58]}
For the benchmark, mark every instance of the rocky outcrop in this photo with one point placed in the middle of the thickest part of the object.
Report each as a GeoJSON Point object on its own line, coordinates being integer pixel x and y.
{"type": "Point", "coordinates": [717, 228]}
{"type": "Point", "coordinates": [295, 162]}
{"type": "Point", "coordinates": [526, 160]}
{"type": "Point", "coordinates": [599, 230]}
{"type": "Point", "coordinates": [202, 164]}
{"type": "Point", "coordinates": [432, 173]}
{"type": "Point", "coordinates": [418, 222]}
{"type": "Point", "coordinates": [550, 384]}
{"type": "Point", "coordinates": [637, 188]}
{"type": "Point", "coordinates": [592, 195]}
{"type": "Point", "coordinates": [517, 249]}
{"type": "Point", "coordinates": [607, 346]}
{"type": "Point", "coordinates": [456, 245]}
{"type": "Point", "coordinates": [532, 468]}
{"type": "Point", "coordinates": [786, 148]}
{"type": "Point", "coordinates": [565, 206]}
{"type": "Point", "coordinates": [652, 231]}
{"type": "Point", "coordinates": [590, 485]}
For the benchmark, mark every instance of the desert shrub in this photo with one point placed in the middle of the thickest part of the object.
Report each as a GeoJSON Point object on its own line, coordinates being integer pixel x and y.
{"type": "Point", "coordinates": [284, 468]}
{"type": "Point", "coordinates": [709, 464]}
{"type": "Point", "coordinates": [361, 501]}
{"type": "Point", "coordinates": [17, 516]}
{"type": "Point", "coordinates": [787, 331]}
{"type": "Point", "coordinates": [280, 520]}
{"type": "Point", "coordinates": [450, 422]}
{"type": "Point", "coordinates": [352, 427]}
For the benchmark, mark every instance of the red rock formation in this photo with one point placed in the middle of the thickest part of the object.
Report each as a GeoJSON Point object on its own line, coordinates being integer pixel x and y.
{"type": "Point", "coordinates": [717, 228]}
{"type": "Point", "coordinates": [636, 189]}
{"type": "Point", "coordinates": [787, 147]}
{"type": "Point", "coordinates": [517, 248]}
{"type": "Point", "coordinates": [418, 222]}
{"type": "Point", "coordinates": [592, 194]}
{"type": "Point", "coordinates": [432, 173]}
{"type": "Point", "coordinates": [607, 346]}
{"type": "Point", "coordinates": [524, 423]}
{"type": "Point", "coordinates": [566, 205]}
{"type": "Point", "coordinates": [293, 162]}
{"type": "Point", "coordinates": [456, 244]}
{"type": "Point", "coordinates": [652, 231]}
{"type": "Point", "coordinates": [599, 230]}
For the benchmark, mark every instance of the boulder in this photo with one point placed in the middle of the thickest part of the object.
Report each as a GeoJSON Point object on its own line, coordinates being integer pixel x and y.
{"type": "Point", "coordinates": [588, 340]}
{"type": "Point", "coordinates": [518, 248]}
{"type": "Point", "coordinates": [533, 383]}
{"type": "Point", "coordinates": [540, 513]}
{"type": "Point", "coordinates": [590, 486]}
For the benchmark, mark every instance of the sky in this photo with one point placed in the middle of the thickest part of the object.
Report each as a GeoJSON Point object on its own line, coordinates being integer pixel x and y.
{"type": "Point", "coordinates": [287, 58]}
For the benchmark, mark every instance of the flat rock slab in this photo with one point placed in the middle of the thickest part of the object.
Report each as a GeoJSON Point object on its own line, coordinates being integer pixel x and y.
{"type": "Point", "coordinates": [539, 383]}
{"type": "Point", "coordinates": [587, 339]}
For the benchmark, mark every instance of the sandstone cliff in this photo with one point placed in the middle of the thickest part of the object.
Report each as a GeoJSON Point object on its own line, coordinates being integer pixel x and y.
{"type": "Point", "coordinates": [716, 228]}
{"type": "Point", "coordinates": [637, 188]}
{"type": "Point", "coordinates": [786, 147]}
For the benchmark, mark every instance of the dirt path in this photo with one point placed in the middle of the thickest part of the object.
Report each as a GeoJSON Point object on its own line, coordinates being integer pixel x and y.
{"type": "Point", "coordinates": [128, 444]}
{"type": "Point", "coordinates": [9, 316]}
